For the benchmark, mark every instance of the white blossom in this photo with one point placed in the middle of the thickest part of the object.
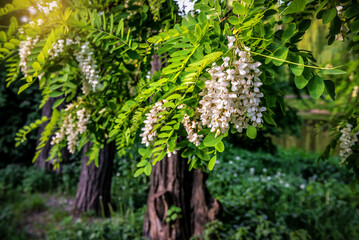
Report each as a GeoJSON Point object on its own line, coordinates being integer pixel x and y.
{"type": "Point", "coordinates": [72, 127]}
{"type": "Point", "coordinates": [233, 94]}
{"type": "Point", "coordinates": [24, 51]}
{"type": "Point", "coordinates": [88, 66]}
{"type": "Point", "coordinates": [45, 8]}
{"type": "Point", "coordinates": [355, 91]}
{"type": "Point", "coordinates": [347, 140]}
{"type": "Point", "coordinates": [148, 135]}
{"type": "Point", "coordinates": [192, 128]}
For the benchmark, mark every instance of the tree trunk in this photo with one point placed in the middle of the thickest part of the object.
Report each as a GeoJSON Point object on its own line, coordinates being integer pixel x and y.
{"type": "Point", "coordinates": [173, 185]}
{"type": "Point", "coordinates": [94, 188]}
{"type": "Point", "coordinates": [41, 161]}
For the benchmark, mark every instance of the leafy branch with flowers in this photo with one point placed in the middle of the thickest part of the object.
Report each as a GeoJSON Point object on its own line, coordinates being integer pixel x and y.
{"type": "Point", "coordinates": [220, 67]}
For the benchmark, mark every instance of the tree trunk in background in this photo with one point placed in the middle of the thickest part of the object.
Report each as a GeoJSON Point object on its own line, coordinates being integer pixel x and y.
{"type": "Point", "coordinates": [173, 185]}
{"type": "Point", "coordinates": [40, 161]}
{"type": "Point", "coordinates": [94, 186]}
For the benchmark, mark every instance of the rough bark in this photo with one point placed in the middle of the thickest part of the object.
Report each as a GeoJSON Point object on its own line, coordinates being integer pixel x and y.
{"type": "Point", "coordinates": [41, 161]}
{"type": "Point", "coordinates": [173, 185]}
{"type": "Point", "coordinates": [94, 186]}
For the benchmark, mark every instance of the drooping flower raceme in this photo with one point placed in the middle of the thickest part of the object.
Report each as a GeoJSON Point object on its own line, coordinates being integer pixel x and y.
{"type": "Point", "coordinates": [25, 51]}
{"type": "Point", "coordinates": [59, 46]}
{"type": "Point", "coordinates": [72, 127]}
{"type": "Point", "coordinates": [347, 140]}
{"type": "Point", "coordinates": [192, 128]}
{"type": "Point", "coordinates": [233, 94]}
{"type": "Point", "coordinates": [151, 119]}
{"type": "Point", "coordinates": [87, 64]}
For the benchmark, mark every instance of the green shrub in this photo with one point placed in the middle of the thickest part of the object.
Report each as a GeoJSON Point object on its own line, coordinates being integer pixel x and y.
{"type": "Point", "coordinates": [9, 229]}
{"type": "Point", "coordinates": [30, 203]}
{"type": "Point", "coordinates": [37, 180]}
{"type": "Point", "coordinates": [283, 196]}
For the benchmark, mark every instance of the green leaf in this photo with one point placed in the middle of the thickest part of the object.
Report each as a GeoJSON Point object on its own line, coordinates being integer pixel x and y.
{"type": "Point", "coordinates": [111, 23]}
{"type": "Point", "coordinates": [174, 96]}
{"type": "Point", "coordinates": [296, 69]}
{"type": "Point", "coordinates": [9, 46]}
{"type": "Point", "coordinates": [166, 128]}
{"type": "Point", "coordinates": [192, 38]}
{"type": "Point", "coordinates": [36, 66]}
{"type": "Point", "coordinates": [296, 6]}
{"type": "Point", "coordinates": [132, 54]}
{"type": "Point", "coordinates": [56, 94]}
{"type": "Point", "coordinates": [251, 132]}
{"type": "Point", "coordinates": [268, 118]}
{"type": "Point", "coordinates": [57, 103]}
{"type": "Point", "coordinates": [41, 58]}
{"type": "Point", "coordinates": [354, 26]}
{"type": "Point", "coordinates": [280, 53]}
{"type": "Point", "coordinates": [3, 37]}
{"type": "Point", "coordinates": [163, 135]}
{"type": "Point", "coordinates": [304, 25]}
{"type": "Point", "coordinates": [323, 4]}
{"type": "Point", "coordinates": [233, 20]}
{"type": "Point", "coordinates": [352, 11]}
{"type": "Point", "coordinates": [4, 50]}
{"type": "Point", "coordinates": [316, 86]}
{"type": "Point", "coordinates": [23, 87]}
{"type": "Point", "coordinates": [212, 162]}
{"type": "Point", "coordinates": [288, 33]}
{"type": "Point", "coordinates": [300, 81]}
{"type": "Point", "coordinates": [334, 71]}
{"type": "Point", "coordinates": [211, 140]}
{"type": "Point", "coordinates": [138, 172]}
{"type": "Point", "coordinates": [143, 151]}
{"type": "Point", "coordinates": [329, 15]}
{"type": "Point", "coordinates": [219, 146]}
{"type": "Point", "coordinates": [187, 152]}
{"type": "Point", "coordinates": [148, 169]}
{"type": "Point", "coordinates": [169, 104]}
{"type": "Point", "coordinates": [330, 87]}
{"type": "Point", "coordinates": [198, 31]}
{"type": "Point", "coordinates": [238, 8]}
{"type": "Point", "coordinates": [142, 163]}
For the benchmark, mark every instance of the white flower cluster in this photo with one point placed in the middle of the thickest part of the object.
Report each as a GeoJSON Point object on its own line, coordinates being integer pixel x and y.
{"type": "Point", "coordinates": [347, 140]}
{"type": "Point", "coordinates": [233, 94]}
{"type": "Point", "coordinates": [25, 51]}
{"type": "Point", "coordinates": [72, 126]}
{"type": "Point", "coordinates": [148, 135]}
{"type": "Point", "coordinates": [192, 128]}
{"type": "Point", "coordinates": [87, 64]}
{"type": "Point", "coordinates": [46, 7]}
{"type": "Point", "coordinates": [59, 46]}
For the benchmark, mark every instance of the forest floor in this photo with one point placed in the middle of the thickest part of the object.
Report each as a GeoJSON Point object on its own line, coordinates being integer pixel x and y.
{"type": "Point", "coordinates": [44, 211]}
{"type": "Point", "coordinates": [286, 195]}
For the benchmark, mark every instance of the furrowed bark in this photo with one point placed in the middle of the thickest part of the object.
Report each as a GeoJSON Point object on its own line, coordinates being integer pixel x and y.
{"type": "Point", "coordinates": [41, 161]}
{"type": "Point", "coordinates": [173, 185]}
{"type": "Point", "coordinates": [94, 188]}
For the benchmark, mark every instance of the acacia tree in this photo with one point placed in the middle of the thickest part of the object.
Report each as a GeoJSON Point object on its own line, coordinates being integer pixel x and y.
{"type": "Point", "coordinates": [90, 64]}
{"type": "Point", "coordinates": [222, 62]}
